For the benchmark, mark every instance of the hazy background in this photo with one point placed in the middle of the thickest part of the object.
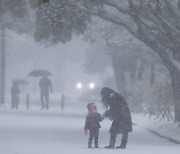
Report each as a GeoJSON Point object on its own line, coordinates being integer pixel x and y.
{"type": "Point", "coordinates": [64, 61]}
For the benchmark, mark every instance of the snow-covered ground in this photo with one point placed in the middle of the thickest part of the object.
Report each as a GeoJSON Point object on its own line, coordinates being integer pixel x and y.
{"type": "Point", "coordinates": [164, 128]}
{"type": "Point", "coordinates": [61, 132]}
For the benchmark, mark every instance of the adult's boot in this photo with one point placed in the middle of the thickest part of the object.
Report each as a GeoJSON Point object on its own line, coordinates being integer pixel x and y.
{"type": "Point", "coordinates": [123, 145]}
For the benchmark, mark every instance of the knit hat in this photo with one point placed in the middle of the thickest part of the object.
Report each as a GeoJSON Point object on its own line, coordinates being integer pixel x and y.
{"type": "Point", "coordinates": [88, 106]}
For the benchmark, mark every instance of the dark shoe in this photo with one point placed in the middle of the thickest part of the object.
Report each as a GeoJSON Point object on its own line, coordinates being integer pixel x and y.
{"type": "Point", "coordinates": [90, 147]}
{"type": "Point", "coordinates": [96, 146]}
{"type": "Point", "coordinates": [109, 147]}
{"type": "Point", "coordinates": [121, 147]}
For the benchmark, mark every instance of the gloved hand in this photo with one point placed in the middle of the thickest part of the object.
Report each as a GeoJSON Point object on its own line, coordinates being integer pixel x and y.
{"type": "Point", "coordinates": [105, 114]}
{"type": "Point", "coordinates": [85, 132]}
{"type": "Point", "coordinates": [101, 118]}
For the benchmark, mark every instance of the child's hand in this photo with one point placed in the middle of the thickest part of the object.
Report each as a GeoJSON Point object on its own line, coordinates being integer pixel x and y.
{"type": "Point", "coordinates": [85, 132]}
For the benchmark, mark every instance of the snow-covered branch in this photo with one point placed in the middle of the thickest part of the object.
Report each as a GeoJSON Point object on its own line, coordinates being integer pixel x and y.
{"type": "Point", "coordinates": [118, 8]}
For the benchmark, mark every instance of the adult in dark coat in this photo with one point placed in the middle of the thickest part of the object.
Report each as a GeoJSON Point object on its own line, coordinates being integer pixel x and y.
{"type": "Point", "coordinates": [15, 95]}
{"type": "Point", "coordinates": [45, 86]}
{"type": "Point", "coordinates": [118, 111]}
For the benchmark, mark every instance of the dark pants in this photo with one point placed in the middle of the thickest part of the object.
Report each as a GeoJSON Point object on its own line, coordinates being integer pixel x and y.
{"type": "Point", "coordinates": [114, 136]}
{"type": "Point", "coordinates": [94, 133]}
{"type": "Point", "coordinates": [45, 96]}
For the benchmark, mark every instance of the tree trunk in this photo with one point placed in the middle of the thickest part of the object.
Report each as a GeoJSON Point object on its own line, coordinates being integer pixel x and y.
{"type": "Point", "coordinates": [119, 76]}
{"type": "Point", "coordinates": [2, 66]}
{"type": "Point", "coordinates": [175, 75]}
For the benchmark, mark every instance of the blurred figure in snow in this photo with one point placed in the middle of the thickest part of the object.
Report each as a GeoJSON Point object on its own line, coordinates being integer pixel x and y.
{"type": "Point", "coordinates": [15, 95]}
{"type": "Point", "coordinates": [45, 86]}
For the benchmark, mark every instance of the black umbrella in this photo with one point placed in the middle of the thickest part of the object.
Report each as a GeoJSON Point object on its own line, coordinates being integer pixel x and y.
{"type": "Point", "coordinates": [20, 81]}
{"type": "Point", "coordinates": [37, 73]}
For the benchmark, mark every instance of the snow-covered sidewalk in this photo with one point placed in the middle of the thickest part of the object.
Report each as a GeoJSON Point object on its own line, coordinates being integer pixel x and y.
{"type": "Point", "coordinates": [166, 129]}
{"type": "Point", "coordinates": [61, 132]}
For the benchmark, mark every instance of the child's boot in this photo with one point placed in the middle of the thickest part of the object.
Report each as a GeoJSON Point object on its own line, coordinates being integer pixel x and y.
{"type": "Point", "coordinates": [90, 144]}
{"type": "Point", "coordinates": [96, 142]}
{"type": "Point", "coordinates": [96, 145]}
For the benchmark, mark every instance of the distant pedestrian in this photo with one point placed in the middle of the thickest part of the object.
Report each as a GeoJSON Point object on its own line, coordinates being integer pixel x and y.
{"type": "Point", "coordinates": [120, 115]}
{"type": "Point", "coordinates": [92, 124]}
{"type": "Point", "coordinates": [45, 86]}
{"type": "Point", "coordinates": [15, 92]}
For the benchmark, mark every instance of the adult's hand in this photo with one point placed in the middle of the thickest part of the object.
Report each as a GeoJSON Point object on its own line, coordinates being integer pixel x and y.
{"type": "Point", "coordinates": [106, 114]}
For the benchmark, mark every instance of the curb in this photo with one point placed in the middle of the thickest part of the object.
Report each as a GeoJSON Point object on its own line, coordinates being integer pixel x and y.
{"type": "Point", "coordinates": [162, 136]}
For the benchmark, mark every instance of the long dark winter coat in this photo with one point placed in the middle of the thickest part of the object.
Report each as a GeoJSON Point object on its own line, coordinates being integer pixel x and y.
{"type": "Point", "coordinates": [93, 120]}
{"type": "Point", "coordinates": [118, 111]}
{"type": "Point", "coordinates": [45, 85]}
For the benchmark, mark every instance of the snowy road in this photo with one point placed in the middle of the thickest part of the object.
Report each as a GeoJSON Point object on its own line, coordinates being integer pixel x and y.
{"type": "Point", "coordinates": [57, 132]}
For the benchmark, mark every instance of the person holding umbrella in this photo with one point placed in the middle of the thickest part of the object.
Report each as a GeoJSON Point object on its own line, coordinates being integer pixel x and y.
{"type": "Point", "coordinates": [45, 86]}
{"type": "Point", "coordinates": [118, 111]}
